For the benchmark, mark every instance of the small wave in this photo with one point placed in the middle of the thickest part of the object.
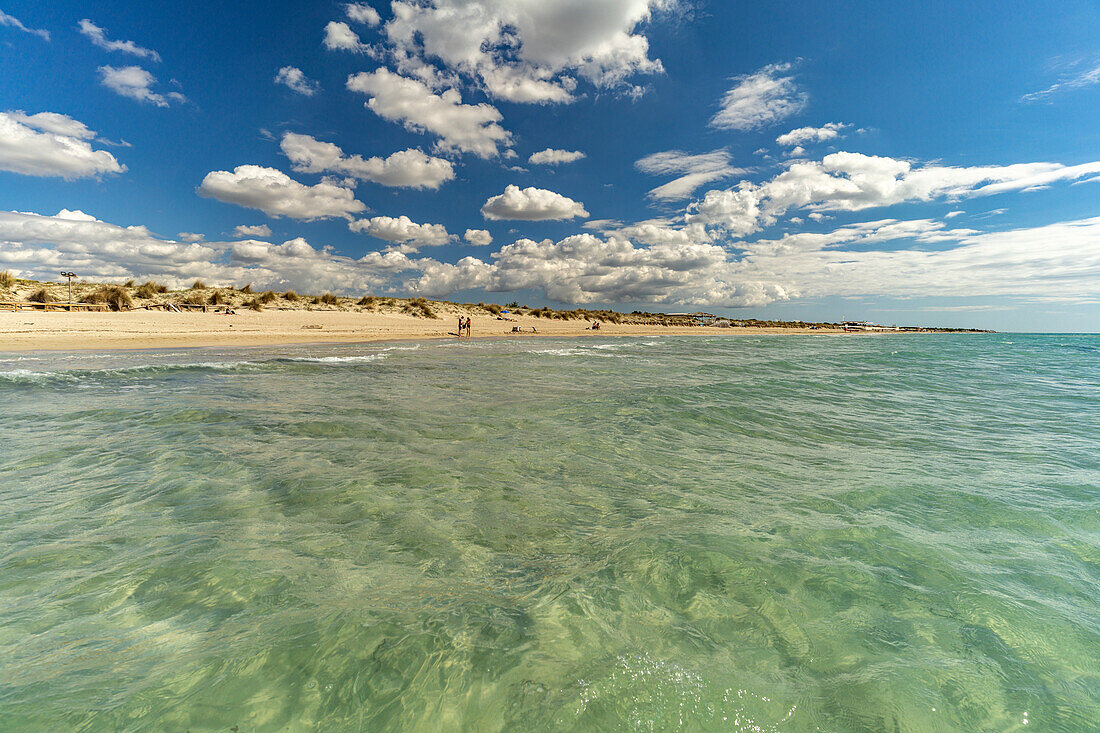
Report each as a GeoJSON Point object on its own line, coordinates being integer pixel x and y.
{"type": "Point", "coordinates": [336, 359]}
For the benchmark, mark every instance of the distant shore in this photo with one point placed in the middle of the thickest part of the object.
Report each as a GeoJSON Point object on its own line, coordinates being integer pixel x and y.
{"type": "Point", "coordinates": [106, 317]}
{"type": "Point", "coordinates": [142, 329]}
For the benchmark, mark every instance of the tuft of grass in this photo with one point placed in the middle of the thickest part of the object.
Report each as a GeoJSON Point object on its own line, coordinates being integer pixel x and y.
{"type": "Point", "coordinates": [247, 289]}
{"type": "Point", "coordinates": [494, 309]}
{"type": "Point", "coordinates": [328, 299]}
{"type": "Point", "coordinates": [216, 298]}
{"type": "Point", "coordinates": [366, 300]}
{"type": "Point", "coordinates": [41, 296]}
{"type": "Point", "coordinates": [149, 288]}
{"type": "Point", "coordinates": [128, 284]}
{"type": "Point", "coordinates": [116, 296]}
{"type": "Point", "coordinates": [254, 304]}
{"type": "Point", "coordinates": [292, 296]}
{"type": "Point", "coordinates": [198, 285]}
{"type": "Point", "coordinates": [7, 280]}
{"type": "Point", "coordinates": [194, 299]}
{"type": "Point", "coordinates": [266, 297]}
{"type": "Point", "coordinates": [420, 308]}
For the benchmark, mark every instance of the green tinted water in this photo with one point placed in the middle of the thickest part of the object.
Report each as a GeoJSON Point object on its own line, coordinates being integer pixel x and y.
{"type": "Point", "coordinates": [747, 534]}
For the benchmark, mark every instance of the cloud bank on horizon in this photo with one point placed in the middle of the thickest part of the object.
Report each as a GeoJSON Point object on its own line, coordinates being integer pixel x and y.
{"type": "Point", "coordinates": [379, 129]}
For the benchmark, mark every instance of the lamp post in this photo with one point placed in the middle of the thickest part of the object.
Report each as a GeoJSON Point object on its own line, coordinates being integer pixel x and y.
{"type": "Point", "coordinates": [70, 275]}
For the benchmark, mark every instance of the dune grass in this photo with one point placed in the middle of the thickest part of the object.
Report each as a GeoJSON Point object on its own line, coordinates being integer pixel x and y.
{"type": "Point", "coordinates": [7, 280]}
{"type": "Point", "coordinates": [149, 289]}
{"type": "Point", "coordinates": [115, 296]}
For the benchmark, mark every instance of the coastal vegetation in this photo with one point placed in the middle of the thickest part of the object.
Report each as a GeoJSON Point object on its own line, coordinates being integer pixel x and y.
{"type": "Point", "coordinates": [153, 295]}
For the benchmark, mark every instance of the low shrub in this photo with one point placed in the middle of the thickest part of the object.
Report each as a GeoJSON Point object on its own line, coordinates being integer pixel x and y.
{"type": "Point", "coordinates": [292, 296]}
{"type": "Point", "coordinates": [267, 296]}
{"type": "Point", "coordinates": [116, 296]}
{"type": "Point", "coordinates": [41, 296]}
{"type": "Point", "coordinates": [254, 304]}
{"type": "Point", "coordinates": [328, 299]}
{"type": "Point", "coordinates": [198, 285]}
{"type": "Point", "coordinates": [194, 299]}
{"type": "Point", "coordinates": [216, 298]}
{"type": "Point", "coordinates": [149, 288]}
{"type": "Point", "coordinates": [366, 300]}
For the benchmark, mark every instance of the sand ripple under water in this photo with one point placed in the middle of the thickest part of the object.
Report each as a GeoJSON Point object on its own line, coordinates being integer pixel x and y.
{"type": "Point", "coordinates": [749, 534]}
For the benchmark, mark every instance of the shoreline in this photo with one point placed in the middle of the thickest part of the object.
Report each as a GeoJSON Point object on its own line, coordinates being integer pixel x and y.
{"type": "Point", "coordinates": [146, 330]}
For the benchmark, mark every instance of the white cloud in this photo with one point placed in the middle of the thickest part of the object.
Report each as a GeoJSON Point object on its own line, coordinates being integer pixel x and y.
{"type": "Point", "coordinates": [532, 204]}
{"type": "Point", "coordinates": [362, 13]}
{"type": "Point", "coordinates": [340, 37]}
{"type": "Point", "coordinates": [760, 99]}
{"type": "Point", "coordinates": [478, 237]}
{"type": "Point", "coordinates": [277, 194]}
{"type": "Point", "coordinates": [550, 156]}
{"type": "Point", "coordinates": [135, 82]}
{"type": "Point", "coordinates": [803, 135]}
{"type": "Point", "coordinates": [191, 237]}
{"type": "Point", "coordinates": [460, 127]}
{"type": "Point", "coordinates": [527, 50]}
{"type": "Point", "coordinates": [53, 122]}
{"type": "Point", "coordinates": [852, 182]}
{"type": "Point", "coordinates": [98, 37]}
{"type": "Point", "coordinates": [13, 22]}
{"type": "Point", "coordinates": [37, 246]}
{"type": "Point", "coordinates": [1082, 78]}
{"type": "Point", "coordinates": [243, 230]}
{"type": "Point", "coordinates": [406, 168]}
{"type": "Point", "coordinates": [50, 144]}
{"type": "Point", "coordinates": [297, 81]}
{"type": "Point", "coordinates": [403, 230]}
{"type": "Point", "coordinates": [697, 170]}
{"type": "Point", "coordinates": [953, 214]}
{"type": "Point", "coordinates": [1057, 262]}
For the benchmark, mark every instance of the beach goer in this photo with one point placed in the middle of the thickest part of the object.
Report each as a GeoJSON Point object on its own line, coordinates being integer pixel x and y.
{"type": "Point", "coordinates": [469, 322]}
{"type": "Point", "coordinates": [461, 325]}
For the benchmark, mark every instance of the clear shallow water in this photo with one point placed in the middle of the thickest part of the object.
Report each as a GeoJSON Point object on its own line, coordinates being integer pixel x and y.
{"type": "Point", "coordinates": [758, 534]}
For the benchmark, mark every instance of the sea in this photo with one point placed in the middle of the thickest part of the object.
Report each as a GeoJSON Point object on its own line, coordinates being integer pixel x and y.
{"type": "Point", "coordinates": [734, 533]}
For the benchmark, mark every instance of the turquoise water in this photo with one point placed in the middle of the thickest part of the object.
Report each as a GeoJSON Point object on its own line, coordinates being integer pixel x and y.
{"type": "Point", "coordinates": [738, 534]}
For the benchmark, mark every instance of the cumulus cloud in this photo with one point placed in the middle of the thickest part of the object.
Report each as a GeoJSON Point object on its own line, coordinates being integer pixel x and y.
{"type": "Point", "coordinates": [98, 37]}
{"type": "Point", "coordinates": [135, 82]}
{"type": "Point", "coordinates": [37, 246]}
{"type": "Point", "coordinates": [478, 237]}
{"type": "Point", "coordinates": [696, 170]}
{"type": "Point", "coordinates": [406, 168]}
{"type": "Point", "coordinates": [340, 37]}
{"type": "Point", "coordinates": [550, 156]}
{"type": "Point", "coordinates": [1056, 262]}
{"type": "Point", "coordinates": [532, 204]}
{"type": "Point", "coordinates": [460, 127]}
{"type": "Point", "coordinates": [760, 99]}
{"type": "Point", "coordinates": [13, 22]}
{"type": "Point", "coordinates": [404, 231]}
{"type": "Point", "coordinates": [243, 230]}
{"type": "Point", "coordinates": [803, 135]}
{"type": "Point", "coordinates": [51, 144]}
{"type": "Point", "coordinates": [297, 81]}
{"type": "Point", "coordinates": [277, 194]}
{"type": "Point", "coordinates": [1078, 78]}
{"type": "Point", "coordinates": [527, 50]}
{"type": "Point", "coordinates": [362, 13]}
{"type": "Point", "coordinates": [853, 181]}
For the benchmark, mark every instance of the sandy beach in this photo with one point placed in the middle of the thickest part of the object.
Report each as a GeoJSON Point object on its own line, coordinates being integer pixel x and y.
{"type": "Point", "coordinates": [141, 329]}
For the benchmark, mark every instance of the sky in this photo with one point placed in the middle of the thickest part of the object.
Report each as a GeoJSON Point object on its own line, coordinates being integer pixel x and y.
{"type": "Point", "coordinates": [919, 163]}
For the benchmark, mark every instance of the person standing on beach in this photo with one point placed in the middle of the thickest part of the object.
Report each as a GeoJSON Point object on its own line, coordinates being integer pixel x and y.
{"type": "Point", "coordinates": [461, 325]}
{"type": "Point", "coordinates": [469, 321]}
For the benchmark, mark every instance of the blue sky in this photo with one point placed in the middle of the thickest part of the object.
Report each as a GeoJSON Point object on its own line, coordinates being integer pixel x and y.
{"type": "Point", "coordinates": [856, 160]}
